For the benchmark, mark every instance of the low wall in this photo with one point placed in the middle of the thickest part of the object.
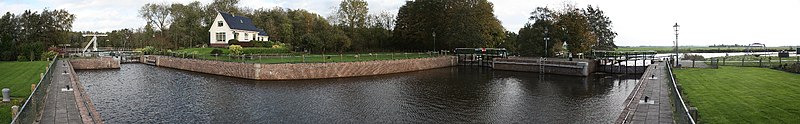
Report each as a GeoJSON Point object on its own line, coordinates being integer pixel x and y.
{"type": "Point", "coordinates": [94, 63]}
{"type": "Point", "coordinates": [563, 67]}
{"type": "Point", "coordinates": [297, 71]}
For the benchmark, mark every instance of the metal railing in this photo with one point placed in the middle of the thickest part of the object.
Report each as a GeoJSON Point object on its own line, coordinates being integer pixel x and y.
{"type": "Point", "coordinates": [30, 111]}
{"type": "Point", "coordinates": [680, 110]}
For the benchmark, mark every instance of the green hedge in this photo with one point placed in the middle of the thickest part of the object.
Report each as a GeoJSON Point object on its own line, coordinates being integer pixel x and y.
{"type": "Point", "coordinates": [264, 50]}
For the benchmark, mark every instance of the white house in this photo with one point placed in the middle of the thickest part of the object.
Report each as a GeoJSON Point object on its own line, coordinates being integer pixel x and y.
{"type": "Point", "coordinates": [227, 26]}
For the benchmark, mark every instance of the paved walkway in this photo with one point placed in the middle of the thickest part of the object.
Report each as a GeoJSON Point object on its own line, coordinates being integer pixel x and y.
{"type": "Point", "coordinates": [657, 109]}
{"type": "Point", "coordinates": [67, 106]}
{"type": "Point", "coordinates": [60, 106]}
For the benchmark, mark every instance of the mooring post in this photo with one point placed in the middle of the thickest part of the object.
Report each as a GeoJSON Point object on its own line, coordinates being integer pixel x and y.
{"type": "Point", "coordinates": [14, 110]}
{"type": "Point", "coordinates": [6, 98]}
{"type": "Point", "coordinates": [742, 61]}
{"type": "Point", "coordinates": [693, 63]}
{"type": "Point", "coordinates": [759, 62]}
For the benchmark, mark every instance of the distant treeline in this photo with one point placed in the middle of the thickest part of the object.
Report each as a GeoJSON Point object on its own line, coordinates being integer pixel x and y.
{"type": "Point", "coordinates": [420, 25]}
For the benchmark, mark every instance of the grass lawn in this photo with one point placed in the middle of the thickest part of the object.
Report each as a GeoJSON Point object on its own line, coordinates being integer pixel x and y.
{"type": "Point", "coordinates": [18, 76]}
{"type": "Point", "coordinates": [742, 94]}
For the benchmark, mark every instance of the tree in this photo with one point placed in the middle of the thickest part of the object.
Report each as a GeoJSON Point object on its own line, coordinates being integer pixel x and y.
{"type": "Point", "coordinates": [352, 14]}
{"type": "Point", "coordinates": [188, 26]}
{"type": "Point", "coordinates": [158, 14]}
{"type": "Point", "coordinates": [569, 26]}
{"type": "Point", "coordinates": [456, 23]}
{"type": "Point", "coordinates": [600, 25]}
{"type": "Point", "coordinates": [573, 28]}
{"type": "Point", "coordinates": [27, 35]}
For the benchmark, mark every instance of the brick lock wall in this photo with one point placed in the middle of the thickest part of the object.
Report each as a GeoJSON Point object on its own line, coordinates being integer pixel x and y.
{"type": "Point", "coordinates": [94, 63]}
{"type": "Point", "coordinates": [233, 69]}
{"type": "Point", "coordinates": [296, 71]}
{"type": "Point", "coordinates": [349, 69]}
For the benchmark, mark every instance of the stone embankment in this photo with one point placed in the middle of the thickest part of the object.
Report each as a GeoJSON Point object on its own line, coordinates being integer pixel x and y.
{"type": "Point", "coordinates": [296, 71]}
{"type": "Point", "coordinates": [94, 63]}
{"type": "Point", "coordinates": [552, 66]}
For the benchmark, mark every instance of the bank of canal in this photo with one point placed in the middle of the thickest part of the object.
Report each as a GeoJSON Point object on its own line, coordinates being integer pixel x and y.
{"type": "Point", "coordinates": [139, 93]}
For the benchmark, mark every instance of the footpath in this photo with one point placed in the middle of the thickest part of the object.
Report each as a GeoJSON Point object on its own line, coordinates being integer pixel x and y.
{"type": "Point", "coordinates": [66, 103]}
{"type": "Point", "coordinates": [653, 87]}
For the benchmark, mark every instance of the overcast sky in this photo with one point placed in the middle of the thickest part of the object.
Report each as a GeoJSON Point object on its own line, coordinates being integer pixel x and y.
{"type": "Point", "coordinates": [638, 22]}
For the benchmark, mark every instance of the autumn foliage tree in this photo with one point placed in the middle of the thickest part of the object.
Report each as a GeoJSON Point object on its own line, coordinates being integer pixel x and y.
{"type": "Point", "coordinates": [581, 30]}
{"type": "Point", "coordinates": [455, 23]}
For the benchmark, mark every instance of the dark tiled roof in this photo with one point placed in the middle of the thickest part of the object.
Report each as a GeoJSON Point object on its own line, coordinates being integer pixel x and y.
{"type": "Point", "coordinates": [241, 23]}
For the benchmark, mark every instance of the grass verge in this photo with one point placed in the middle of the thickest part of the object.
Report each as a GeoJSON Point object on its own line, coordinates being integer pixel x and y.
{"type": "Point", "coordinates": [742, 94]}
{"type": "Point", "coordinates": [18, 76]}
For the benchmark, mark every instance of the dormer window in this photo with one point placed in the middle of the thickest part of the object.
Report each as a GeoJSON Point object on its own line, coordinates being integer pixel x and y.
{"type": "Point", "coordinates": [219, 23]}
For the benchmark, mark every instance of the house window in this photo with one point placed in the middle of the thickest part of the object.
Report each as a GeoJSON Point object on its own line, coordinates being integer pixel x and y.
{"type": "Point", "coordinates": [245, 36]}
{"type": "Point", "coordinates": [235, 35]}
{"type": "Point", "coordinates": [220, 36]}
{"type": "Point", "coordinates": [219, 23]}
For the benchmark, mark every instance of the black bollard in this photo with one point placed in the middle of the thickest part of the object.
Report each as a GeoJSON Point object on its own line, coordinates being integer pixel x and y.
{"type": "Point", "coordinates": [645, 98]}
{"type": "Point", "coordinates": [67, 87]}
{"type": "Point", "coordinates": [652, 76]}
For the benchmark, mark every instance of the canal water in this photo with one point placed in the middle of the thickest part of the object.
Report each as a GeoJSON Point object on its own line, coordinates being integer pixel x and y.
{"type": "Point", "coordinates": [139, 93]}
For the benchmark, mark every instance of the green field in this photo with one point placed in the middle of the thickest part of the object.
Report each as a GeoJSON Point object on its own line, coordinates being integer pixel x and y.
{"type": "Point", "coordinates": [742, 94]}
{"type": "Point", "coordinates": [18, 76]}
{"type": "Point", "coordinates": [301, 58]}
{"type": "Point", "coordinates": [687, 49]}
{"type": "Point", "coordinates": [754, 58]}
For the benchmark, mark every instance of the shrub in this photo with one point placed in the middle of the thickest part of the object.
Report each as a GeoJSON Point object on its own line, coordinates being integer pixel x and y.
{"type": "Point", "coordinates": [216, 52]}
{"type": "Point", "coordinates": [262, 43]}
{"type": "Point", "coordinates": [22, 58]}
{"type": "Point", "coordinates": [233, 42]}
{"type": "Point", "coordinates": [693, 57]}
{"type": "Point", "coordinates": [264, 50]}
{"type": "Point", "coordinates": [235, 49]}
{"type": "Point", "coordinates": [147, 50]}
{"type": "Point", "coordinates": [47, 55]}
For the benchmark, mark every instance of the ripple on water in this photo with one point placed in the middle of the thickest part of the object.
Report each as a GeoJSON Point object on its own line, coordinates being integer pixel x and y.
{"type": "Point", "coordinates": [146, 94]}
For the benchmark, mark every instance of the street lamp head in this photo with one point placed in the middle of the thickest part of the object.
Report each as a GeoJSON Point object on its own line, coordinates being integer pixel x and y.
{"type": "Point", "coordinates": [676, 26]}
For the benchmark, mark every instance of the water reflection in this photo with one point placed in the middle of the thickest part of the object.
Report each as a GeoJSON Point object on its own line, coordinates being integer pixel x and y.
{"type": "Point", "coordinates": [146, 94]}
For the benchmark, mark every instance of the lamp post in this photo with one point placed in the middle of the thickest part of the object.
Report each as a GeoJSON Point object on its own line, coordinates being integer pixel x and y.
{"type": "Point", "coordinates": [434, 41]}
{"type": "Point", "coordinates": [676, 27]}
{"type": "Point", "coordinates": [546, 38]}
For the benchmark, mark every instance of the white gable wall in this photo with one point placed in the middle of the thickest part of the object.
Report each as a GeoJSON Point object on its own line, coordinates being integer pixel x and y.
{"type": "Point", "coordinates": [219, 29]}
